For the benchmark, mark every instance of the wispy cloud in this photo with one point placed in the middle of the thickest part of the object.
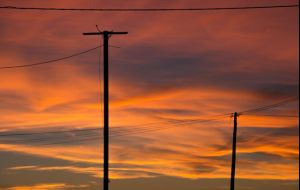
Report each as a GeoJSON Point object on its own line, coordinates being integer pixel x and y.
{"type": "Point", "coordinates": [46, 187]}
{"type": "Point", "coordinates": [85, 170]}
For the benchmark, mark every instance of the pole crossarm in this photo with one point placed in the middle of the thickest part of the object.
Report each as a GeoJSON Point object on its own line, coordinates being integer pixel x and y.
{"type": "Point", "coordinates": [103, 33]}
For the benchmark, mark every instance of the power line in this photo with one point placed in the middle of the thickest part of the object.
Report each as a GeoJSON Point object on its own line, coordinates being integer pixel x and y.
{"type": "Point", "coordinates": [132, 131]}
{"type": "Point", "coordinates": [49, 61]}
{"type": "Point", "coordinates": [275, 115]}
{"type": "Point", "coordinates": [195, 120]}
{"type": "Point", "coordinates": [92, 137]}
{"type": "Point", "coordinates": [178, 122]}
{"type": "Point", "coordinates": [135, 127]}
{"type": "Point", "coordinates": [136, 130]}
{"type": "Point", "coordinates": [116, 133]}
{"type": "Point", "coordinates": [263, 108]}
{"type": "Point", "coordinates": [148, 9]}
{"type": "Point", "coordinates": [138, 127]}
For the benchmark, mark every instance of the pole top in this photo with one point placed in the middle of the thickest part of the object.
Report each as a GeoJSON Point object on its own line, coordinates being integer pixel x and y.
{"type": "Point", "coordinates": [235, 114]}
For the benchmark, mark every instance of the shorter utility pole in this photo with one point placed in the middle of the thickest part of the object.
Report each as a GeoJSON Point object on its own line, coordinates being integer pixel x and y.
{"type": "Point", "coordinates": [235, 115]}
{"type": "Point", "coordinates": [106, 35]}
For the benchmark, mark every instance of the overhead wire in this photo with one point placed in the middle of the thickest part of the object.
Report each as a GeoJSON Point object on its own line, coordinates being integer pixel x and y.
{"type": "Point", "coordinates": [123, 132]}
{"type": "Point", "coordinates": [134, 127]}
{"type": "Point", "coordinates": [113, 134]}
{"type": "Point", "coordinates": [141, 131]}
{"type": "Point", "coordinates": [149, 9]}
{"type": "Point", "coordinates": [146, 129]}
{"type": "Point", "coordinates": [49, 61]}
{"type": "Point", "coordinates": [137, 129]}
{"type": "Point", "coordinates": [132, 131]}
{"type": "Point", "coordinates": [274, 115]}
{"type": "Point", "coordinates": [53, 60]}
{"type": "Point", "coordinates": [263, 108]}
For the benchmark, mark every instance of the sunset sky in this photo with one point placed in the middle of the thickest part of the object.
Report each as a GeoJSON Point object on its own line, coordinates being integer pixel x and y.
{"type": "Point", "coordinates": [171, 67]}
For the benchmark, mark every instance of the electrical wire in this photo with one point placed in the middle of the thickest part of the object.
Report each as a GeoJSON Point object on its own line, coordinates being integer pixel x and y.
{"type": "Point", "coordinates": [138, 127]}
{"type": "Point", "coordinates": [146, 130]}
{"type": "Point", "coordinates": [148, 9]}
{"type": "Point", "coordinates": [263, 108]}
{"type": "Point", "coordinates": [53, 60]}
{"type": "Point", "coordinates": [49, 61]}
{"type": "Point", "coordinates": [275, 115]}
{"type": "Point", "coordinates": [134, 127]}
{"type": "Point", "coordinates": [117, 133]}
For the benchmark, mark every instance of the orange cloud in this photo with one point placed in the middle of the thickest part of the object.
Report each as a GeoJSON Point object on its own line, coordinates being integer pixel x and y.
{"type": "Point", "coordinates": [44, 187]}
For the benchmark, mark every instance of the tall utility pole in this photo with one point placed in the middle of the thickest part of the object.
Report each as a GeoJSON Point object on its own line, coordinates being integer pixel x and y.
{"type": "Point", "coordinates": [106, 35]}
{"type": "Point", "coordinates": [235, 115]}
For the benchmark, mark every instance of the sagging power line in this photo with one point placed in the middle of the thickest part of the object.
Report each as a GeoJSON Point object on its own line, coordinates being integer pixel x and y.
{"type": "Point", "coordinates": [114, 133]}
{"type": "Point", "coordinates": [167, 121]}
{"type": "Point", "coordinates": [274, 115]}
{"type": "Point", "coordinates": [151, 127]}
{"type": "Point", "coordinates": [53, 60]}
{"type": "Point", "coordinates": [263, 108]}
{"type": "Point", "coordinates": [149, 9]}
{"type": "Point", "coordinates": [49, 61]}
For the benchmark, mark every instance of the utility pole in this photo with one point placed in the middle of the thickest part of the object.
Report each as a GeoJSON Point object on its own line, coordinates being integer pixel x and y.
{"type": "Point", "coordinates": [235, 115]}
{"type": "Point", "coordinates": [106, 35]}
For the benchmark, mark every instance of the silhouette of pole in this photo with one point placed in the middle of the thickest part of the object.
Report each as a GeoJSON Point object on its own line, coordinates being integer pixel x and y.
{"type": "Point", "coordinates": [235, 115]}
{"type": "Point", "coordinates": [106, 35]}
